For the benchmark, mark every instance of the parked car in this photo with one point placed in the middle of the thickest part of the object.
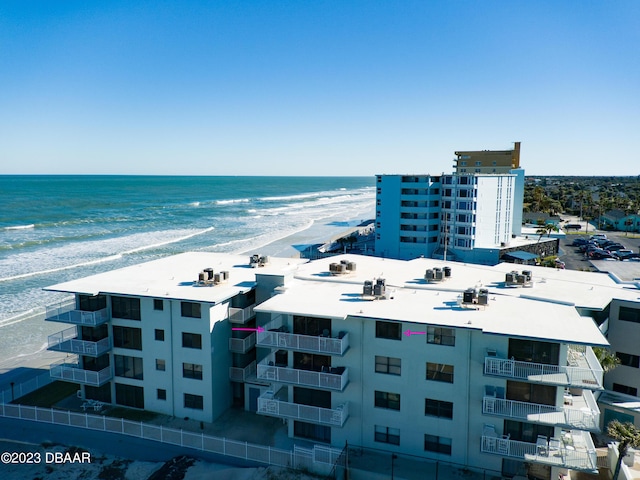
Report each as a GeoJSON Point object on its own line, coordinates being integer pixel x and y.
{"type": "Point", "coordinates": [579, 241]}
{"type": "Point", "coordinates": [573, 226]}
{"type": "Point", "coordinates": [622, 252]}
{"type": "Point", "coordinates": [600, 254]}
{"type": "Point", "coordinates": [598, 235]}
{"type": "Point", "coordinates": [627, 256]}
{"type": "Point", "coordinates": [614, 248]}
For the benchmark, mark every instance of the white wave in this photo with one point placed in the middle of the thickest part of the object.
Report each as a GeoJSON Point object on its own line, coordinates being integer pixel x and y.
{"type": "Point", "coordinates": [270, 240]}
{"type": "Point", "coordinates": [194, 204]}
{"type": "Point", "coordinates": [289, 197]}
{"type": "Point", "coordinates": [21, 227]}
{"type": "Point", "coordinates": [235, 200]}
{"type": "Point", "coordinates": [251, 210]}
{"type": "Point", "coordinates": [90, 246]}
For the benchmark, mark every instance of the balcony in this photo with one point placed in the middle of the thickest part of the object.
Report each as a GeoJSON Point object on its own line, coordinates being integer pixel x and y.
{"type": "Point", "coordinates": [277, 337]}
{"type": "Point", "coordinates": [241, 375]}
{"type": "Point", "coordinates": [241, 315]}
{"type": "Point", "coordinates": [72, 372]}
{"type": "Point", "coordinates": [242, 345]}
{"type": "Point", "coordinates": [579, 412]}
{"type": "Point", "coordinates": [67, 341]}
{"type": "Point", "coordinates": [574, 450]}
{"type": "Point", "coordinates": [582, 370]}
{"type": "Point", "coordinates": [67, 314]}
{"type": "Point", "coordinates": [335, 379]}
{"type": "Point", "coordinates": [269, 404]}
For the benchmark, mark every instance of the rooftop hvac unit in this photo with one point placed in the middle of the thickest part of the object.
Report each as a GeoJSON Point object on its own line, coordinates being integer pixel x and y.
{"type": "Point", "coordinates": [483, 297]}
{"type": "Point", "coordinates": [333, 267]}
{"type": "Point", "coordinates": [225, 275]}
{"type": "Point", "coordinates": [368, 288]}
{"type": "Point", "coordinates": [379, 288]}
{"type": "Point", "coordinates": [216, 278]}
{"type": "Point", "coordinates": [201, 277]}
{"type": "Point", "coordinates": [429, 276]}
{"type": "Point", "coordinates": [209, 272]}
{"type": "Point", "coordinates": [447, 272]}
{"type": "Point", "coordinates": [527, 275]}
{"type": "Point", "coordinates": [510, 277]}
{"type": "Point", "coordinates": [468, 295]}
{"type": "Point", "coordinates": [439, 274]}
{"type": "Point", "coordinates": [351, 266]}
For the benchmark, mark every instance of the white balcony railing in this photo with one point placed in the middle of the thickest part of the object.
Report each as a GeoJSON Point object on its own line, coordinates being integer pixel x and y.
{"type": "Point", "coordinates": [72, 372]}
{"type": "Point", "coordinates": [67, 341]}
{"type": "Point", "coordinates": [336, 379]}
{"type": "Point", "coordinates": [305, 343]}
{"type": "Point", "coordinates": [586, 376]}
{"type": "Point", "coordinates": [587, 417]}
{"type": "Point", "coordinates": [238, 374]}
{"type": "Point", "coordinates": [268, 405]}
{"type": "Point", "coordinates": [242, 345]}
{"type": "Point", "coordinates": [67, 314]}
{"type": "Point", "coordinates": [241, 315]}
{"type": "Point", "coordinates": [574, 451]}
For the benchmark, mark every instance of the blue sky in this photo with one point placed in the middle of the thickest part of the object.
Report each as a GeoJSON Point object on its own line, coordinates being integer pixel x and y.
{"type": "Point", "coordinates": [317, 87]}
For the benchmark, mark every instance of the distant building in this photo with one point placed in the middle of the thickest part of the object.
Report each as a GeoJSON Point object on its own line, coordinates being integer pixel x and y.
{"type": "Point", "coordinates": [618, 220]}
{"type": "Point", "coordinates": [466, 216]}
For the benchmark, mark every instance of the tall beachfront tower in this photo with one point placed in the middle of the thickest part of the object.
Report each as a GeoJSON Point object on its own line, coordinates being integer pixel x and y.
{"type": "Point", "coordinates": [467, 215]}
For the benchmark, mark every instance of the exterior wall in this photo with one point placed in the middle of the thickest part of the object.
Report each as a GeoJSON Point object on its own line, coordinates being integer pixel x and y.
{"type": "Point", "coordinates": [494, 210]}
{"type": "Point", "coordinates": [191, 355]}
{"type": "Point", "coordinates": [623, 337]}
{"type": "Point", "coordinates": [219, 360]}
{"type": "Point", "coordinates": [518, 200]}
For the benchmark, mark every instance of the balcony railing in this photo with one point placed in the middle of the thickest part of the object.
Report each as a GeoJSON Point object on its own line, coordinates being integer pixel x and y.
{"type": "Point", "coordinates": [72, 372]}
{"type": "Point", "coordinates": [587, 375]}
{"type": "Point", "coordinates": [304, 343]}
{"type": "Point", "coordinates": [335, 379]}
{"type": "Point", "coordinates": [241, 315]}
{"type": "Point", "coordinates": [239, 374]}
{"type": "Point", "coordinates": [67, 314]}
{"type": "Point", "coordinates": [574, 451]}
{"type": "Point", "coordinates": [67, 341]}
{"type": "Point", "coordinates": [242, 345]}
{"type": "Point", "coordinates": [269, 405]}
{"type": "Point", "coordinates": [584, 418]}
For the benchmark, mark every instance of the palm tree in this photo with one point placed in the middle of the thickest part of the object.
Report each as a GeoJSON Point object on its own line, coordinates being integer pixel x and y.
{"type": "Point", "coordinates": [628, 435]}
{"type": "Point", "coordinates": [608, 361]}
{"type": "Point", "coordinates": [546, 229]}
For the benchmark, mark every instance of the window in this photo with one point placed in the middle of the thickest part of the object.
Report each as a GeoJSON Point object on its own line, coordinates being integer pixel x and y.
{"type": "Point", "coordinates": [440, 372]}
{"type": "Point", "coordinates": [618, 387]}
{"type": "Point", "coordinates": [192, 340]}
{"type": "Point", "coordinates": [390, 330]}
{"type": "Point", "coordinates": [129, 395]}
{"type": "Point", "coordinates": [159, 335]}
{"type": "Point", "coordinates": [192, 370]}
{"type": "Point", "coordinates": [162, 394]}
{"type": "Point", "coordinates": [127, 337]}
{"type": "Point", "coordinates": [438, 408]}
{"type": "Point", "coordinates": [433, 443]}
{"type": "Point", "coordinates": [124, 307]}
{"type": "Point", "coordinates": [629, 314]}
{"type": "Point", "coordinates": [160, 365]}
{"type": "Point", "coordinates": [195, 402]}
{"type": "Point", "coordinates": [390, 365]}
{"type": "Point", "coordinates": [628, 359]}
{"type": "Point", "coordinates": [387, 435]}
{"type": "Point", "coordinates": [441, 336]}
{"type": "Point", "coordinates": [129, 367]}
{"type": "Point", "coordinates": [88, 303]}
{"type": "Point", "coordinates": [190, 309]}
{"type": "Point", "coordinates": [158, 304]}
{"type": "Point", "coordinates": [387, 400]}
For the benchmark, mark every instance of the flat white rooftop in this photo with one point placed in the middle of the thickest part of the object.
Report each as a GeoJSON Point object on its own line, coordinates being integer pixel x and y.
{"type": "Point", "coordinates": [174, 277]}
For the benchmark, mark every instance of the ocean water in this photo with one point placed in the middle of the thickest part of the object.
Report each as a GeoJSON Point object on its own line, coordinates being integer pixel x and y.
{"type": "Point", "coordinates": [57, 228]}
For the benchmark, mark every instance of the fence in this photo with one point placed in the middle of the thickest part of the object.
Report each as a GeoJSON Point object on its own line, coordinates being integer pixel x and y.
{"type": "Point", "coordinates": [20, 390]}
{"type": "Point", "coordinates": [319, 459]}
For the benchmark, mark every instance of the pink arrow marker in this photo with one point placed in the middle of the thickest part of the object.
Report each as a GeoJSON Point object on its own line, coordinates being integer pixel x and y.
{"type": "Point", "coordinates": [408, 333]}
{"type": "Point", "coordinates": [259, 329]}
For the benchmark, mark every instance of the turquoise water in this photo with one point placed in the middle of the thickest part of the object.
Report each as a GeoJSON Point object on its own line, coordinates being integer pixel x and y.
{"type": "Point", "coordinates": [56, 228]}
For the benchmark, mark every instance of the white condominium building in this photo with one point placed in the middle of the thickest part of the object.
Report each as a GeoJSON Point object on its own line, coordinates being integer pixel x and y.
{"type": "Point", "coordinates": [475, 365]}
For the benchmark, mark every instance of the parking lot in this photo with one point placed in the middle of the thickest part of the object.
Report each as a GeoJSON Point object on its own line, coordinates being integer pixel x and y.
{"type": "Point", "coordinates": [627, 270]}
